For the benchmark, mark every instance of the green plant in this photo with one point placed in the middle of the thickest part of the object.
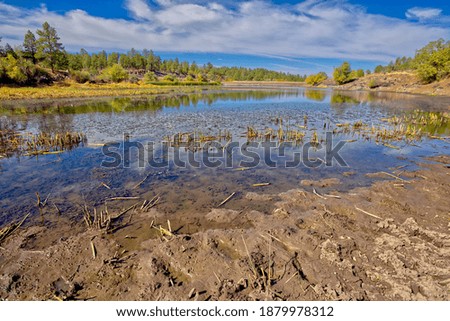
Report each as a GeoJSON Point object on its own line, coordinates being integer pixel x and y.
{"type": "Point", "coordinates": [342, 74]}
{"type": "Point", "coordinates": [373, 83]}
{"type": "Point", "coordinates": [149, 77]}
{"type": "Point", "coordinates": [316, 79]}
{"type": "Point", "coordinates": [169, 78]}
{"type": "Point", "coordinates": [115, 73]}
{"type": "Point", "coordinates": [80, 76]}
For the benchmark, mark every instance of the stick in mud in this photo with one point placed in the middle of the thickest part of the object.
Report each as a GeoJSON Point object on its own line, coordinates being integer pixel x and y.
{"type": "Point", "coordinates": [367, 213]}
{"type": "Point", "coordinates": [94, 250]}
{"type": "Point", "coordinates": [317, 194]}
{"type": "Point", "coordinates": [227, 199]}
{"type": "Point", "coordinates": [123, 198]}
{"type": "Point", "coordinates": [5, 232]}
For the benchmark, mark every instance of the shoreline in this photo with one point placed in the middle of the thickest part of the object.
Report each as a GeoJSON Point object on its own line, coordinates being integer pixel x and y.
{"type": "Point", "coordinates": [11, 94]}
{"type": "Point", "coordinates": [313, 246]}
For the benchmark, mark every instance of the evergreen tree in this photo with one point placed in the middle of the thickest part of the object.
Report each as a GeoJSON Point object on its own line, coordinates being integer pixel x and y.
{"type": "Point", "coordinates": [30, 46]}
{"type": "Point", "coordinates": [49, 48]}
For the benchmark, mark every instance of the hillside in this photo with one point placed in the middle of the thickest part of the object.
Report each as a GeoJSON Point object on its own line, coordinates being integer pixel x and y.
{"type": "Point", "coordinates": [398, 81]}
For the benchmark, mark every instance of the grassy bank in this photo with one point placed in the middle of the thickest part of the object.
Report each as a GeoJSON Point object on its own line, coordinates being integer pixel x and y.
{"type": "Point", "coordinates": [73, 90]}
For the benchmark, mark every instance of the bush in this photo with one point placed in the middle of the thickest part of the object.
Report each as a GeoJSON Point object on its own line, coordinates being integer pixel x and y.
{"type": "Point", "coordinates": [80, 76]}
{"type": "Point", "coordinates": [316, 79]}
{"type": "Point", "coordinates": [202, 78]}
{"type": "Point", "coordinates": [169, 78]}
{"type": "Point", "coordinates": [115, 73]}
{"type": "Point", "coordinates": [150, 77]}
{"type": "Point", "coordinates": [373, 83]}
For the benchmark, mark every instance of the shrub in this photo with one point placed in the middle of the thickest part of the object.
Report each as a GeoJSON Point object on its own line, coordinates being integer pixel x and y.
{"type": "Point", "coordinates": [373, 83]}
{"type": "Point", "coordinates": [316, 79]}
{"type": "Point", "coordinates": [80, 76]}
{"type": "Point", "coordinates": [150, 77]}
{"type": "Point", "coordinates": [202, 78]}
{"type": "Point", "coordinates": [115, 73]}
{"type": "Point", "coordinates": [169, 78]}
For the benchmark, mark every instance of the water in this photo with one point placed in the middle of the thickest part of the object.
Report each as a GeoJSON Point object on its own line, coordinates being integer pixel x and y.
{"type": "Point", "coordinates": [76, 177]}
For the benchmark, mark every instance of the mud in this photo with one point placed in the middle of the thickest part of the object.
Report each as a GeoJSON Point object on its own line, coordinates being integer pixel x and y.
{"type": "Point", "coordinates": [389, 241]}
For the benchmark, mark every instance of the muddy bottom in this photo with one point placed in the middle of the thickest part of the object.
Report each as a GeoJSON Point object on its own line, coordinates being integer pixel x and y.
{"type": "Point", "coordinates": [389, 241]}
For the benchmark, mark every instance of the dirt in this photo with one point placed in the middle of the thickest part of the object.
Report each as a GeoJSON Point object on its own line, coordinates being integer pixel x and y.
{"type": "Point", "coordinates": [389, 241]}
{"type": "Point", "coordinates": [402, 82]}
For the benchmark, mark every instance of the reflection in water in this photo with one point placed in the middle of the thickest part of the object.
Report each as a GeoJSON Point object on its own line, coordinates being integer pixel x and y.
{"type": "Point", "coordinates": [314, 94]}
{"type": "Point", "coordinates": [76, 177]}
{"type": "Point", "coordinates": [337, 98]}
{"type": "Point", "coordinates": [128, 104]}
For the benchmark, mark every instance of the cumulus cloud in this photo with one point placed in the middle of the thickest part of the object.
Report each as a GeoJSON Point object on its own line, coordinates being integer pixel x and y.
{"type": "Point", "coordinates": [423, 13]}
{"type": "Point", "coordinates": [311, 28]}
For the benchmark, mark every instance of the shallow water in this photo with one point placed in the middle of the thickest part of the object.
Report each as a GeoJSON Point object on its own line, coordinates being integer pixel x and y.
{"type": "Point", "coordinates": [76, 177]}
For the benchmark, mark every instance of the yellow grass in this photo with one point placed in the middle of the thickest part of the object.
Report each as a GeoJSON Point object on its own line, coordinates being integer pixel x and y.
{"type": "Point", "coordinates": [73, 90]}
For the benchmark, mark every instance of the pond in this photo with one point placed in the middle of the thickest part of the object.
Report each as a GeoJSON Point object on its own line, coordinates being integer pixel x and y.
{"type": "Point", "coordinates": [193, 151]}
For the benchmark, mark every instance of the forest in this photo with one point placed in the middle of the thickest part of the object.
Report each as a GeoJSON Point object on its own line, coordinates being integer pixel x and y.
{"type": "Point", "coordinates": [42, 59]}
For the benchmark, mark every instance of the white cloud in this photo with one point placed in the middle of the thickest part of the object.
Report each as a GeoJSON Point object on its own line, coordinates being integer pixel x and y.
{"type": "Point", "coordinates": [418, 13]}
{"type": "Point", "coordinates": [312, 28]}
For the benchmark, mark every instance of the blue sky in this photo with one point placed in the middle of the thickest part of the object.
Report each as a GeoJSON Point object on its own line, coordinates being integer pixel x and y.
{"type": "Point", "coordinates": [289, 35]}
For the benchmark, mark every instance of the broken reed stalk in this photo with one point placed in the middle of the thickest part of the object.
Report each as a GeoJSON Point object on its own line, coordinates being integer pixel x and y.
{"type": "Point", "coordinates": [396, 177]}
{"type": "Point", "coordinates": [8, 230]}
{"type": "Point", "coordinates": [101, 221]}
{"type": "Point", "coordinates": [252, 265]}
{"type": "Point", "coordinates": [260, 184]}
{"type": "Point", "coordinates": [269, 274]}
{"type": "Point", "coordinates": [122, 198]}
{"type": "Point", "coordinates": [94, 250]}
{"type": "Point", "coordinates": [149, 204]}
{"type": "Point", "coordinates": [317, 194]}
{"type": "Point", "coordinates": [367, 213]}
{"type": "Point", "coordinates": [142, 181]}
{"type": "Point", "coordinates": [227, 199]}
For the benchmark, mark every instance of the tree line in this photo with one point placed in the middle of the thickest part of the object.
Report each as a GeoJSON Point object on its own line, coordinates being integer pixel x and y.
{"type": "Point", "coordinates": [431, 63]}
{"type": "Point", "coordinates": [42, 59]}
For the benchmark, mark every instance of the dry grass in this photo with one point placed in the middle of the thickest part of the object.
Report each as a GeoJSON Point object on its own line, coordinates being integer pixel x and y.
{"type": "Point", "coordinates": [73, 90]}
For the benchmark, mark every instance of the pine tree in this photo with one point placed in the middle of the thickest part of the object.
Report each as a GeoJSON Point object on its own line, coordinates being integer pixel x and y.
{"type": "Point", "coordinates": [30, 46]}
{"type": "Point", "coordinates": [49, 48]}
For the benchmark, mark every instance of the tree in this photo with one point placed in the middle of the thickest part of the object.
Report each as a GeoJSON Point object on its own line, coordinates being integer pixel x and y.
{"type": "Point", "coordinates": [30, 46]}
{"type": "Point", "coordinates": [113, 58]}
{"type": "Point", "coordinates": [85, 59]}
{"type": "Point", "coordinates": [341, 74]}
{"type": "Point", "coordinates": [10, 51]}
{"type": "Point", "coordinates": [432, 62]}
{"type": "Point", "coordinates": [316, 79]}
{"type": "Point", "coordinates": [379, 69]}
{"type": "Point", "coordinates": [49, 48]}
{"type": "Point", "coordinates": [17, 69]}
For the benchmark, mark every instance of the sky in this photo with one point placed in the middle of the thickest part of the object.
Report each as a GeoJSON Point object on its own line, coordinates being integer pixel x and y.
{"type": "Point", "coordinates": [294, 36]}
